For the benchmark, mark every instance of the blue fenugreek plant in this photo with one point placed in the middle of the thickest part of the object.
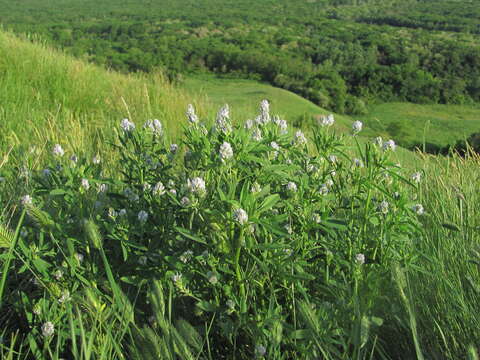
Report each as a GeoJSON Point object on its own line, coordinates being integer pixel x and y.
{"type": "Point", "coordinates": [253, 240]}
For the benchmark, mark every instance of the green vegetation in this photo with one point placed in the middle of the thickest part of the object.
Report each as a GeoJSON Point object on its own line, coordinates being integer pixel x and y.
{"type": "Point", "coordinates": [329, 52]}
{"type": "Point", "coordinates": [254, 243]}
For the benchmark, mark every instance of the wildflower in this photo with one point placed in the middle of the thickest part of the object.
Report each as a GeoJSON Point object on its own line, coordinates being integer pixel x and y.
{"type": "Point", "coordinates": [146, 187]}
{"type": "Point", "coordinates": [191, 116]}
{"type": "Point", "coordinates": [389, 145]}
{"type": "Point", "coordinates": [360, 259]}
{"type": "Point", "coordinates": [264, 117]}
{"type": "Point", "coordinates": [96, 159]}
{"type": "Point", "coordinates": [292, 187]}
{"type": "Point", "coordinates": [172, 191]}
{"type": "Point", "coordinates": [248, 124]}
{"type": "Point", "coordinates": [85, 184]}
{"type": "Point", "coordinates": [26, 200]}
{"type": "Point", "coordinates": [260, 351]}
{"type": "Point", "coordinates": [378, 141]}
{"type": "Point", "coordinates": [230, 304]}
{"type": "Point", "coordinates": [155, 127]}
{"type": "Point", "coordinates": [142, 216]}
{"type": "Point", "coordinates": [255, 188]}
{"type": "Point", "coordinates": [58, 151]}
{"type": "Point", "coordinates": [282, 124]}
{"type": "Point", "coordinates": [316, 218]}
{"type": "Point", "coordinates": [326, 121]}
{"type": "Point", "coordinates": [357, 163]}
{"type": "Point", "coordinates": [332, 159]}
{"type": "Point", "coordinates": [274, 145]}
{"type": "Point", "coordinates": [300, 138]}
{"type": "Point", "coordinates": [383, 207]}
{"type": "Point", "coordinates": [257, 134]}
{"type": "Point", "coordinates": [212, 277]}
{"type": "Point", "coordinates": [323, 190]}
{"type": "Point", "coordinates": [176, 278]}
{"type": "Point", "coordinates": [37, 310]}
{"type": "Point", "coordinates": [329, 183]}
{"type": "Point", "coordinates": [226, 151]}
{"type": "Point", "coordinates": [158, 189]}
{"type": "Point", "coordinates": [186, 256]}
{"type": "Point", "coordinates": [79, 257]}
{"type": "Point", "coordinates": [418, 209]}
{"type": "Point", "coordinates": [65, 297]}
{"type": "Point", "coordinates": [58, 274]}
{"type": "Point", "coordinates": [288, 229]}
{"type": "Point", "coordinates": [185, 201]}
{"type": "Point", "coordinates": [288, 252]}
{"type": "Point", "coordinates": [173, 148]}
{"type": "Point", "coordinates": [127, 125]}
{"type": "Point", "coordinates": [222, 122]}
{"type": "Point", "coordinates": [240, 216]}
{"type": "Point", "coordinates": [196, 185]}
{"type": "Point", "coordinates": [74, 159]}
{"type": "Point", "coordinates": [48, 329]}
{"type": "Point", "coordinates": [417, 177]}
{"type": "Point", "coordinates": [357, 127]}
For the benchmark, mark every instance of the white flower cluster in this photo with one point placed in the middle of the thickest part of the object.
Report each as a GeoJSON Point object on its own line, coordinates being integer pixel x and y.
{"type": "Point", "coordinates": [326, 121]}
{"type": "Point", "coordinates": [282, 125]}
{"type": "Point", "coordinates": [26, 200]}
{"type": "Point", "coordinates": [142, 216]}
{"type": "Point", "coordinates": [155, 126]}
{"type": "Point", "coordinates": [264, 117]}
{"type": "Point", "coordinates": [417, 177]}
{"type": "Point", "coordinates": [222, 123]}
{"type": "Point", "coordinates": [360, 259]}
{"type": "Point", "coordinates": [257, 134]}
{"type": "Point", "coordinates": [357, 127]}
{"type": "Point", "coordinates": [226, 151]}
{"type": "Point", "coordinates": [196, 185]}
{"type": "Point", "coordinates": [291, 187]}
{"type": "Point", "coordinates": [383, 207]}
{"type": "Point", "coordinates": [48, 329]}
{"type": "Point", "coordinates": [299, 138]}
{"type": "Point", "coordinates": [58, 150]}
{"type": "Point", "coordinates": [191, 116]}
{"type": "Point", "coordinates": [158, 189]}
{"type": "Point", "coordinates": [240, 216]}
{"type": "Point", "coordinates": [389, 145]}
{"type": "Point", "coordinates": [127, 125]}
{"type": "Point", "coordinates": [418, 209]}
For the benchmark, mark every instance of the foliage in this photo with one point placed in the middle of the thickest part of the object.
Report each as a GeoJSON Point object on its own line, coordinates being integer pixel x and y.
{"type": "Point", "coordinates": [241, 242]}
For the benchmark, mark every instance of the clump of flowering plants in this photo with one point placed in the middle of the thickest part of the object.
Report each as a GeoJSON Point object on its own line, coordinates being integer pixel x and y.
{"type": "Point", "coordinates": [261, 240]}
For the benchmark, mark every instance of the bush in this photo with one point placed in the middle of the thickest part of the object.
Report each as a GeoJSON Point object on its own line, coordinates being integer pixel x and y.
{"type": "Point", "coordinates": [243, 241]}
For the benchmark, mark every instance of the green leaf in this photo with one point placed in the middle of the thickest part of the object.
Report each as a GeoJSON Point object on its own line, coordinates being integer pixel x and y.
{"type": "Point", "coordinates": [206, 306]}
{"type": "Point", "coordinates": [451, 226]}
{"type": "Point", "coordinates": [57, 192]}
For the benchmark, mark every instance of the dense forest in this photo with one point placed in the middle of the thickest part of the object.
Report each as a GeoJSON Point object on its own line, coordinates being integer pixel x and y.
{"type": "Point", "coordinates": [340, 54]}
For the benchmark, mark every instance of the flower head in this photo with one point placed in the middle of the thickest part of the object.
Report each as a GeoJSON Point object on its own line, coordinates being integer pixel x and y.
{"type": "Point", "coordinates": [26, 200]}
{"type": "Point", "coordinates": [222, 123]}
{"type": "Point", "coordinates": [357, 163]}
{"type": "Point", "coordinates": [142, 216]}
{"type": "Point", "coordinates": [260, 351]}
{"type": "Point", "coordinates": [85, 184]}
{"type": "Point", "coordinates": [378, 141]}
{"type": "Point", "coordinates": [173, 148]}
{"type": "Point", "coordinates": [240, 216]}
{"type": "Point", "coordinates": [155, 127]}
{"type": "Point", "coordinates": [357, 127]}
{"type": "Point", "coordinates": [360, 259]}
{"type": "Point", "coordinates": [300, 138]}
{"type": "Point", "coordinates": [191, 116]}
{"type": "Point", "coordinates": [48, 329]}
{"type": "Point", "coordinates": [158, 189]}
{"type": "Point", "coordinates": [417, 177]}
{"type": "Point", "coordinates": [418, 209]}
{"type": "Point", "coordinates": [383, 207]}
{"type": "Point", "coordinates": [257, 134]}
{"type": "Point", "coordinates": [226, 151]}
{"type": "Point", "coordinates": [58, 151]}
{"type": "Point", "coordinates": [389, 145]}
{"type": "Point", "coordinates": [326, 121]}
{"type": "Point", "coordinates": [176, 278]}
{"type": "Point", "coordinates": [196, 185]}
{"type": "Point", "coordinates": [323, 189]}
{"type": "Point", "coordinates": [127, 125]}
{"type": "Point", "coordinates": [291, 187]}
{"type": "Point", "coordinates": [96, 159]}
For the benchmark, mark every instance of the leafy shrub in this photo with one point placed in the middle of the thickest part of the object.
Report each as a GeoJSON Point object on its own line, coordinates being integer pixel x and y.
{"type": "Point", "coordinates": [242, 241]}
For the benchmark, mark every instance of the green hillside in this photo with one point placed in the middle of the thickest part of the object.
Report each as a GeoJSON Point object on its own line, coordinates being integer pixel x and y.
{"type": "Point", "coordinates": [48, 97]}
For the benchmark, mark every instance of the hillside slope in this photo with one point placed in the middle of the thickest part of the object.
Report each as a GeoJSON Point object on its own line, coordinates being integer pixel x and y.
{"type": "Point", "coordinates": [46, 97]}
